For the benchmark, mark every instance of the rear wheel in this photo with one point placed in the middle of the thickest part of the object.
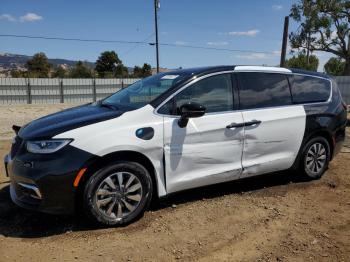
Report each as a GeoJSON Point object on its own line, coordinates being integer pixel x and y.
{"type": "Point", "coordinates": [118, 194]}
{"type": "Point", "coordinates": [316, 156]}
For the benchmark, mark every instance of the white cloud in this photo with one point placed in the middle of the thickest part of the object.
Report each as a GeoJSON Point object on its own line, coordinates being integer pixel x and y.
{"type": "Point", "coordinates": [180, 43]}
{"type": "Point", "coordinates": [219, 43]}
{"type": "Point", "coordinates": [259, 56]}
{"type": "Point", "coordinates": [7, 17]}
{"type": "Point", "coordinates": [31, 17]}
{"type": "Point", "coordinates": [277, 7]}
{"type": "Point", "coordinates": [251, 33]}
{"type": "Point", "coordinates": [254, 56]}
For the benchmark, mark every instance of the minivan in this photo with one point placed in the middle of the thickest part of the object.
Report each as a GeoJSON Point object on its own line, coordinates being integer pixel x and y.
{"type": "Point", "coordinates": [175, 131]}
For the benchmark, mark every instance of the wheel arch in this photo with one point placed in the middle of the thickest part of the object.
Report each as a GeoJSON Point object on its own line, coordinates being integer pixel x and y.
{"type": "Point", "coordinates": [320, 132]}
{"type": "Point", "coordinates": [325, 134]}
{"type": "Point", "coordinates": [124, 155]}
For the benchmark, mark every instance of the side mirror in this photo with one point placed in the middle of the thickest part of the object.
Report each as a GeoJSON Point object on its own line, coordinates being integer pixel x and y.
{"type": "Point", "coordinates": [190, 110]}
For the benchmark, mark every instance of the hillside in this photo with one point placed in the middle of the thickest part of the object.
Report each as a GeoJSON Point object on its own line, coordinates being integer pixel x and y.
{"type": "Point", "coordinates": [15, 61]}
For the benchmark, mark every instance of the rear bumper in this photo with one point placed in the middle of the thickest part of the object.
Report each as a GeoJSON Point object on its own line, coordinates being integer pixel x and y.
{"type": "Point", "coordinates": [45, 182]}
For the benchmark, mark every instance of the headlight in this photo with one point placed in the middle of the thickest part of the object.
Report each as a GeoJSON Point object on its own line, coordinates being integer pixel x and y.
{"type": "Point", "coordinates": [47, 146]}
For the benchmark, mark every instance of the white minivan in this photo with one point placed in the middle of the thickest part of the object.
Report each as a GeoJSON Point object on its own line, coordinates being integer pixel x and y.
{"type": "Point", "coordinates": [175, 131]}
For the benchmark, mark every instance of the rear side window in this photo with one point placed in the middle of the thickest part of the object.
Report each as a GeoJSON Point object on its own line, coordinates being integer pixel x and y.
{"type": "Point", "coordinates": [215, 93]}
{"type": "Point", "coordinates": [308, 89]}
{"type": "Point", "coordinates": [259, 90]}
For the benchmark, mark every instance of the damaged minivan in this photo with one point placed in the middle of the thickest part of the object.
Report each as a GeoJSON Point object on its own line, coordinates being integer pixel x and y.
{"type": "Point", "coordinates": [175, 131]}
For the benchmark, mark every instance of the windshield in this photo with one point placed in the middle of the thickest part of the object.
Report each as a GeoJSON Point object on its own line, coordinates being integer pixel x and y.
{"type": "Point", "coordinates": [144, 91]}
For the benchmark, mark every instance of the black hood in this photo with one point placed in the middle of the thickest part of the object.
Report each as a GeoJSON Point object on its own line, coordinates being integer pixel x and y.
{"type": "Point", "coordinates": [51, 125]}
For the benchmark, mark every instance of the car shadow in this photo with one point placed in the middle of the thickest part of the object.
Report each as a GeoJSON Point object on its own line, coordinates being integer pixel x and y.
{"type": "Point", "coordinates": [18, 222]}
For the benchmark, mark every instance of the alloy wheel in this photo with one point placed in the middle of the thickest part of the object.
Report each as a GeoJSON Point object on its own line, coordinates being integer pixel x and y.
{"type": "Point", "coordinates": [316, 158]}
{"type": "Point", "coordinates": [118, 195]}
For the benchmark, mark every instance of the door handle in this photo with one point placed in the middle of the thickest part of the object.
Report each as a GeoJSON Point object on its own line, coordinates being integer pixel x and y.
{"type": "Point", "coordinates": [233, 125]}
{"type": "Point", "coordinates": [250, 123]}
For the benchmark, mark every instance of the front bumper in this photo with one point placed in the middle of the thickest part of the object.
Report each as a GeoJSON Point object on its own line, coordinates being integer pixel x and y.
{"type": "Point", "coordinates": [44, 182]}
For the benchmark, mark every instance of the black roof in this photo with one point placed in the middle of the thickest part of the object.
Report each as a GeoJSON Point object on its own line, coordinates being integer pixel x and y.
{"type": "Point", "coordinates": [306, 72]}
{"type": "Point", "coordinates": [202, 70]}
{"type": "Point", "coordinates": [213, 69]}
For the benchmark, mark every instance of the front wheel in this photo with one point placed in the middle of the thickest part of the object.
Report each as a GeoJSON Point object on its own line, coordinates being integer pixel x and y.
{"type": "Point", "coordinates": [316, 156]}
{"type": "Point", "coordinates": [118, 194]}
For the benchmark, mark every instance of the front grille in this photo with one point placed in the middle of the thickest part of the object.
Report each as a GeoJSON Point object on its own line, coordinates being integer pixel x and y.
{"type": "Point", "coordinates": [16, 145]}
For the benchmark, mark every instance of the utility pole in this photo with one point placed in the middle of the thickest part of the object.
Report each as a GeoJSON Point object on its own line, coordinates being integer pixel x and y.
{"type": "Point", "coordinates": [308, 48]}
{"type": "Point", "coordinates": [156, 7]}
{"type": "Point", "coordinates": [284, 42]}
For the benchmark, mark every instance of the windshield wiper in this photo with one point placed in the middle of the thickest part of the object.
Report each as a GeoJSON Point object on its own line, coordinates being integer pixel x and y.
{"type": "Point", "coordinates": [110, 106]}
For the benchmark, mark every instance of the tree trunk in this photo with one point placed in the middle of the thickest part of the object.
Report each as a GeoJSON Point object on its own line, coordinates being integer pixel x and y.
{"type": "Point", "coordinates": [347, 67]}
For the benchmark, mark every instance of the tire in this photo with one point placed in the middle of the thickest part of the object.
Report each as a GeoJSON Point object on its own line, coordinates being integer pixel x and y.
{"type": "Point", "coordinates": [315, 158]}
{"type": "Point", "coordinates": [118, 194]}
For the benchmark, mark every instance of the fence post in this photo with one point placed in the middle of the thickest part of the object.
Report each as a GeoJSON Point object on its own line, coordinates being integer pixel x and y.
{"type": "Point", "coordinates": [94, 95]}
{"type": "Point", "coordinates": [29, 93]}
{"type": "Point", "coordinates": [61, 92]}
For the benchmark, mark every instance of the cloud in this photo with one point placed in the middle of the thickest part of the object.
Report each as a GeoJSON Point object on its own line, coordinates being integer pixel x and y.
{"type": "Point", "coordinates": [254, 56]}
{"type": "Point", "coordinates": [30, 17]}
{"type": "Point", "coordinates": [180, 43]}
{"type": "Point", "coordinates": [219, 43]}
{"type": "Point", "coordinates": [277, 7]}
{"type": "Point", "coordinates": [259, 56]}
{"type": "Point", "coordinates": [250, 33]}
{"type": "Point", "coordinates": [7, 17]}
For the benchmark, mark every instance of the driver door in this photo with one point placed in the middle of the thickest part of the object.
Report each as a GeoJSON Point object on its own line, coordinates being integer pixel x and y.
{"type": "Point", "coordinates": [206, 151]}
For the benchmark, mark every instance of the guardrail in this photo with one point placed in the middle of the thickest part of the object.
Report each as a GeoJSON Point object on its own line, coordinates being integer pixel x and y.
{"type": "Point", "coordinates": [51, 90]}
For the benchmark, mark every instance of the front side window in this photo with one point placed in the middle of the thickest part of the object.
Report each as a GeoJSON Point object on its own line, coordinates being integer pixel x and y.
{"type": "Point", "coordinates": [144, 91]}
{"type": "Point", "coordinates": [307, 89]}
{"type": "Point", "coordinates": [258, 90]}
{"type": "Point", "coordinates": [215, 93]}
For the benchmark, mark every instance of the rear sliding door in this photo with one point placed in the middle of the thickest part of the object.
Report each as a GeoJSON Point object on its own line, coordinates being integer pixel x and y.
{"type": "Point", "coordinates": [274, 127]}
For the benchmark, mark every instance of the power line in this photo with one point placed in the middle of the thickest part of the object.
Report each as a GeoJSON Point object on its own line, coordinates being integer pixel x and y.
{"type": "Point", "coordinates": [218, 49]}
{"type": "Point", "coordinates": [74, 39]}
{"type": "Point", "coordinates": [137, 42]}
{"type": "Point", "coordinates": [137, 45]}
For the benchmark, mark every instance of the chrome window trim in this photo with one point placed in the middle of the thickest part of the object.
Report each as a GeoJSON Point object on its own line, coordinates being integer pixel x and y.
{"type": "Point", "coordinates": [155, 111]}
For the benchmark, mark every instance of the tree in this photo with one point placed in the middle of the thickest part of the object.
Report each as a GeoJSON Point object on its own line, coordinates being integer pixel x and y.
{"type": "Point", "coordinates": [324, 26]}
{"type": "Point", "coordinates": [38, 66]}
{"type": "Point", "coordinates": [300, 61]}
{"type": "Point", "coordinates": [59, 72]}
{"type": "Point", "coordinates": [121, 71]}
{"type": "Point", "coordinates": [81, 70]}
{"type": "Point", "coordinates": [18, 73]}
{"type": "Point", "coordinates": [334, 66]}
{"type": "Point", "coordinates": [143, 71]}
{"type": "Point", "coordinates": [107, 64]}
{"type": "Point", "coordinates": [147, 70]}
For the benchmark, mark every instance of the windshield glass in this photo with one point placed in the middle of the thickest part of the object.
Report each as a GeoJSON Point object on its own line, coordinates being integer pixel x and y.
{"type": "Point", "coordinates": [144, 91]}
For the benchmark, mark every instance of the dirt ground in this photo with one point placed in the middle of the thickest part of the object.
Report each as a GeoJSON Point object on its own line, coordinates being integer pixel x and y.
{"type": "Point", "coordinates": [276, 217]}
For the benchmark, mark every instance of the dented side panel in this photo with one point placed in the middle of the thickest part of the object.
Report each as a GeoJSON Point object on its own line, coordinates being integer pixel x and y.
{"type": "Point", "coordinates": [273, 144]}
{"type": "Point", "coordinates": [205, 152]}
{"type": "Point", "coordinates": [119, 134]}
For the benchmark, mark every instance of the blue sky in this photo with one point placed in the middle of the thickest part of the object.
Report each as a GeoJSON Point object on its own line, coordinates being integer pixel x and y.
{"type": "Point", "coordinates": [232, 24]}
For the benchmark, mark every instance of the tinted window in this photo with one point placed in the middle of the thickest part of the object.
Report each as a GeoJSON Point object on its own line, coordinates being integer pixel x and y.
{"type": "Point", "coordinates": [215, 93]}
{"type": "Point", "coordinates": [263, 90]}
{"type": "Point", "coordinates": [309, 89]}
